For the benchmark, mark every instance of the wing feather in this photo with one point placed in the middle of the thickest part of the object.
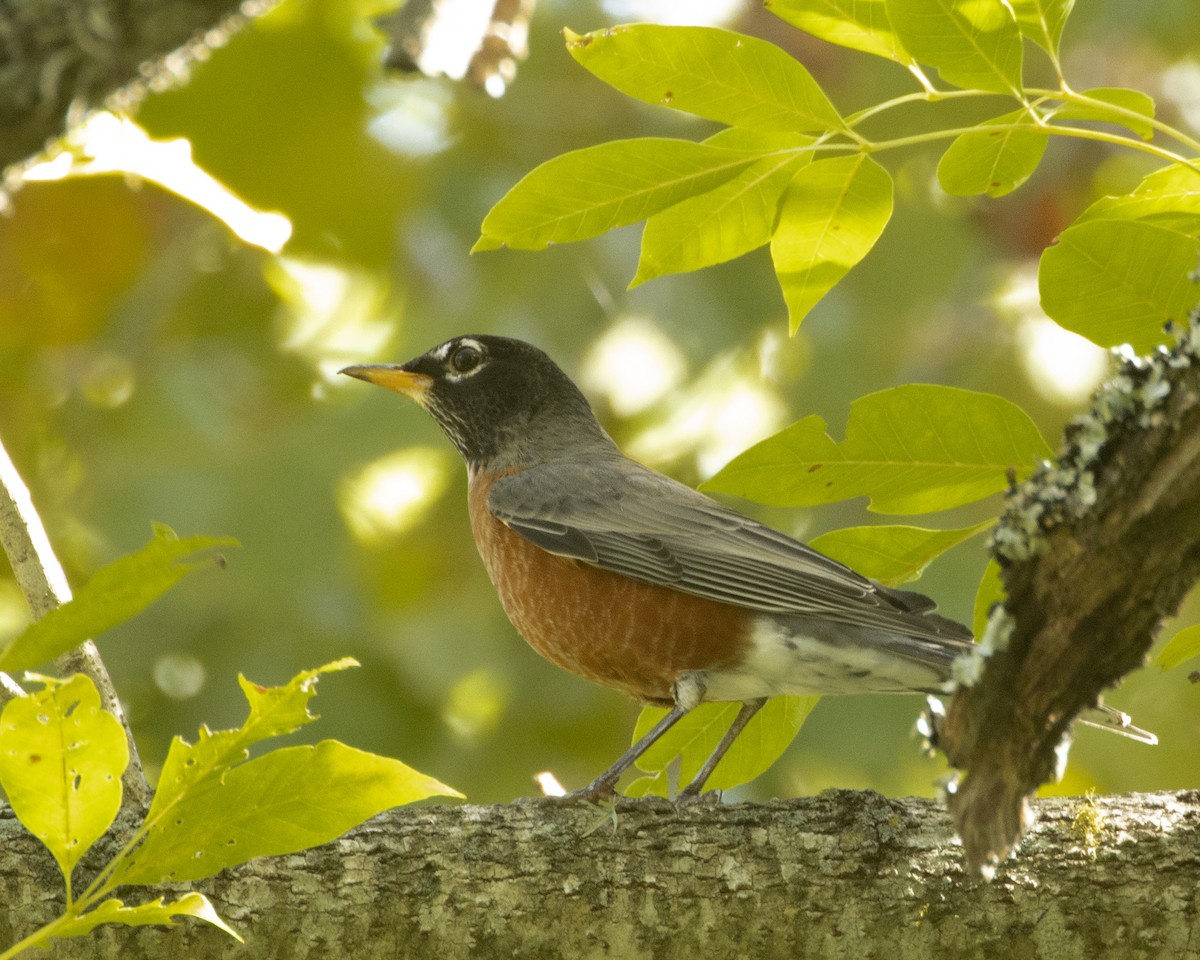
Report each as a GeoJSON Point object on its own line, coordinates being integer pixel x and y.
{"type": "Point", "coordinates": [623, 517]}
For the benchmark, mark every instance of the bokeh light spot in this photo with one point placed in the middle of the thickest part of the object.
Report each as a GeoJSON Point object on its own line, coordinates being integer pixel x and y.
{"type": "Point", "coordinates": [477, 702]}
{"type": "Point", "coordinates": [389, 496]}
{"type": "Point", "coordinates": [179, 676]}
{"type": "Point", "coordinates": [632, 365]}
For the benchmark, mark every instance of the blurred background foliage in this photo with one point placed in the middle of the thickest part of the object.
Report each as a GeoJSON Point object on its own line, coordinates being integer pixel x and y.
{"type": "Point", "coordinates": [158, 367]}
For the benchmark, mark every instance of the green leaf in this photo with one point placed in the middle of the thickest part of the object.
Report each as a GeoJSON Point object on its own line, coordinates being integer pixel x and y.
{"type": "Point", "coordinates": [891, 554]}
{"type": "Point", "coordinates": [116, 592]}
{"type": "Point", "coordinates": [713, 73]}
{"type": "Point", "coordinates": [993, 161]}
{"type": "Point", "coordinates": [274, 711]}
{"type": "Point", "coordinates": [857, 24]}
{"type": "Point", "coordinates": [694, 738]}
{"type": "Point", "coordinates": [1111, 105]}
{"type": "Point", "coordinates": [989, 592]}
{"type": "Point", "coordinates": [831, 216]}
{"type": "Point", "coordinates": [61, 760]}
{"type": "Point", "coordinates": [1168, 198]}
{"type": "Point", "coordinates": [1042, 21]}
{"type": "Point", "coordinates": [1180, 648]}
{"type": "Point", "coordinates": [975, 44]}
{"type": "Point", "coordinates": [1118, 281]}
{"type": "Point", "coordinates": [736, 217]}
{"type": "Point", "coordinates": [213, 808]}
{"type": "Point", "coordinates": [288, 800]}
{"type": "Point", "coordinates": [913, 449]}
{"type": "Point", "coordinates": [587, 192]}
{"type": "Point", "coordinates": [155, 913]}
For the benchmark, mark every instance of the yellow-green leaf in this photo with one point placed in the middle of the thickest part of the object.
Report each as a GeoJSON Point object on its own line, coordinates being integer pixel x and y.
{"type": "Point", "coordinates": [694, 738]}
{"type": "Point", "coordinates": [1129, 108]}
{"type": "Point", "coordinates": [912, 449]}
{"type": "Point", "coordinates": [1168, 198]}
{"type": "Point", "coordinates": [1119, 281]}
{"type": "Point", "coordinates": [214, 808]}
{"type": "Point", "coordinates": [61, 760]}
{"type": "Point", "coordinates": [274, 711]}
{"type": "Point", "coordinates": [989, 592]}
{"type": "Point", "coordinates": [587, 192]}
{"type": "Point", "coordinates": [832, 214]}
{"type": "Point", "coordinates": [288, 800]}
{"type": "Point", "coordinates": [114, 594]}
{"type": "Point", "coordinates": [1180, 648]}
{"type": "Point", "coordinates": [857, 24]}
{"type": "Point", "coordinates": [995, 158]}
{"type": "Point", "coordinates": [1042, 21]}
{"type": "Point", "coordinates": [975, 44]}
{"type": "Point", "coordinates": [891, 554]}
{"type": "Point", "coordinates": [713, 73]}
{"type": "Point", "coordinates": [155, 913]}
{"type": "Point", "coordinates": [736, 217]}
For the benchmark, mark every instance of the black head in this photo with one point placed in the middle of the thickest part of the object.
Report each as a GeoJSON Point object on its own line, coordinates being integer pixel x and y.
{"type": "Point", "coordinates": [500, 401]}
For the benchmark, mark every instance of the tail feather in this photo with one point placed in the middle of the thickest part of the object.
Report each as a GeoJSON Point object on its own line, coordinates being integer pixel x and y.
{"type": "Point", "coordinates": [1109, 718]}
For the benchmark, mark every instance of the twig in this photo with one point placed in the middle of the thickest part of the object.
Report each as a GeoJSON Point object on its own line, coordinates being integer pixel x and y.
{"type": "Point", "coordinates": [45, 586]}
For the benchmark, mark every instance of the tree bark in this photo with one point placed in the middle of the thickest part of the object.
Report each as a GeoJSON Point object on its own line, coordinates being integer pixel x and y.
{"type": "Point", "coordinates": [63, 56]}
{"type": "Point", "coordinates": [1097, 549]}
{"type": "Point", "coordinates": [843, 874]}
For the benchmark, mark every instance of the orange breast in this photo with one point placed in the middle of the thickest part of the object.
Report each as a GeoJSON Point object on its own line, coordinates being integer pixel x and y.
{"type": "Point", "coordinates": [599, 625]}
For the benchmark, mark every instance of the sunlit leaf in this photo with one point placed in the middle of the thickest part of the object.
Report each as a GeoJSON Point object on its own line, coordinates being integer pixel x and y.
{"type": "Point", "coordinates": [1180, 648]}
{"type": "Point", "coordinates": [736, 217]}
{"type": "Point", "coordinates": [155, 913]}
{"type": "Point", "coordinates": [1042, 21]}
{"type": "Point", "coordinates": [975, 44]}
{"type": "Point", "coordinates": [587, 192]}
{"type": "Point", "coordinates": [832, 214]}
{"type": "Point", "coordinates": [288, 800]}
{"type": "Point", "coordinates": [114, 594]}
{"type": "Point", "coordinates": [61, 760]}
{"type": "Point", "coordinates": [857, 24]}
{"type": "Point", "coordinates": [912, 449]}
{"type": "Point", "coordinates": [992, 160]}
{"type": "Point", "coordinates": [891, 554]}
{"type": "Point", "coordinates": [694, 738]}
{"type": "Point", "coordinates": [274, 711]}
{"type": "Point", "coordinates": [1119, 281]}
{"type": "Point", "coordinates": [1111, 105]}
{"type": "Point", "coordinates": [989, 592]}
{"type": "Point", "coordinates": [214, 808]}
{"type": "Point", "coordinates": [713, 73]}
{"type": "Point", "coordinates": [1168, 198]}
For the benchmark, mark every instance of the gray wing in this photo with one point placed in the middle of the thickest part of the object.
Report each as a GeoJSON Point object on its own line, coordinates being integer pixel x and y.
{"type": "Point", "coordinates": [623, 517]}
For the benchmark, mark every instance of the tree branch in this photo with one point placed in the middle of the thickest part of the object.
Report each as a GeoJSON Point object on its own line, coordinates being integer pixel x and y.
{"type": "Point", "coordinates": [837, 875]}
{"type": "Point", "coordinates": [61, 57]}
{"type": "Point", "coordinates": [45, 586]}
{"type": "Point", "coordinates": [1097, 548]}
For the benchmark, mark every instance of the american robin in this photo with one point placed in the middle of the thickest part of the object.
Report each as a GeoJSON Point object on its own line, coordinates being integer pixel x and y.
{"type": "Point", "coordinates": [630, 579]}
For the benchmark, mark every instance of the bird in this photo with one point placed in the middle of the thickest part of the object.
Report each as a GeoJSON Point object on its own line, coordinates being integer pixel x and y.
{"type": "Point", "coordinates": [635, 581]}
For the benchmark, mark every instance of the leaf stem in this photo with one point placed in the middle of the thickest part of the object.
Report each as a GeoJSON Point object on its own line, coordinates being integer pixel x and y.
{"type": "Point", "coordinates": [1062, 131]}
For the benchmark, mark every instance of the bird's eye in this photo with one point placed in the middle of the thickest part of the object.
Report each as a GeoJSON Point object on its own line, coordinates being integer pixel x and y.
{"type": "Point", "coordinates": [466, 358]}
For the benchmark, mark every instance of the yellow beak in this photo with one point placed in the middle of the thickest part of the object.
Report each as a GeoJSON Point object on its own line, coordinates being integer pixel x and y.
{"type": "Point", "coordinates": [412, 385]}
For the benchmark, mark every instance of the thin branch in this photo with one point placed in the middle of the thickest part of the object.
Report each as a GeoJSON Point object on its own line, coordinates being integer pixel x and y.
{"type": "Point", "coordinates": [44, 583]}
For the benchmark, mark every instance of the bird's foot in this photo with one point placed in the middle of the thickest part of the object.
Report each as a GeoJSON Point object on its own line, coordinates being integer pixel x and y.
{"type": "Point", "coordinates": [688, 797]}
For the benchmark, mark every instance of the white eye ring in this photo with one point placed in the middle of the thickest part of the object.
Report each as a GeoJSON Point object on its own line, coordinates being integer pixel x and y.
{"type": "Point", "coordinates": [465, 358]}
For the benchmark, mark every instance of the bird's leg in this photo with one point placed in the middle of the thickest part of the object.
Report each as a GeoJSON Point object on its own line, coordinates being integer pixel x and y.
{"type": "Point", "coordinates": [604, 786]}
{"type": "Point", "coordinates": [749, 709]}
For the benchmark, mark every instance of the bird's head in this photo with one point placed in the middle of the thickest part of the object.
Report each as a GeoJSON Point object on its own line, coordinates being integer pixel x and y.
{"type": "Point", "coordinates": [500, 401]}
